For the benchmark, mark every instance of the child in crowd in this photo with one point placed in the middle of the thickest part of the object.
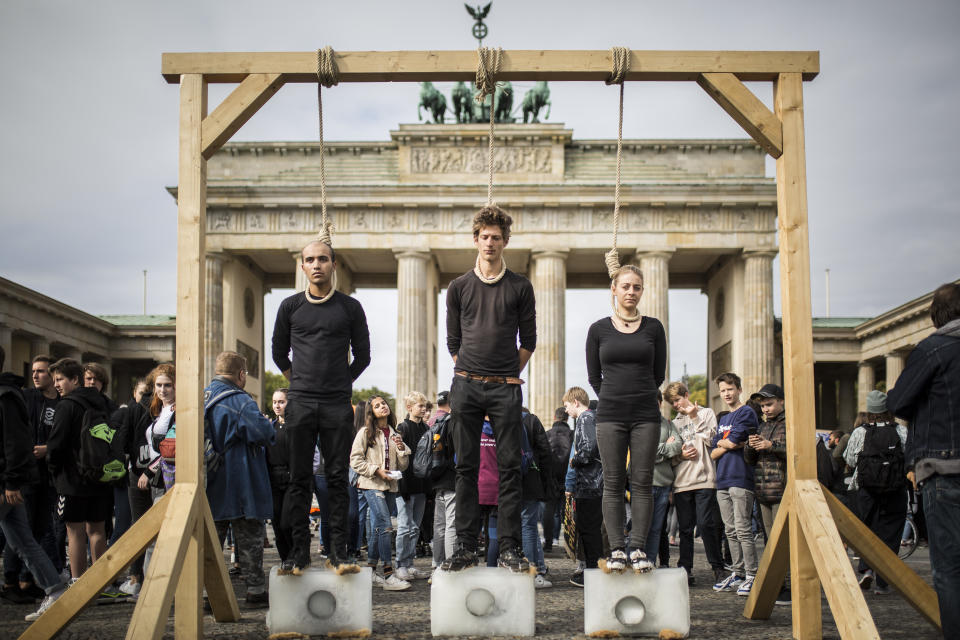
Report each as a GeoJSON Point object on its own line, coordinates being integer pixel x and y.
{"type": "Point", "coordinates": [587, 484]}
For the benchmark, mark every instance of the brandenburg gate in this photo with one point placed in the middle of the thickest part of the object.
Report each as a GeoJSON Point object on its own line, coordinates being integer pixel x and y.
{"type": "Point", "coordinates": [697, 214]}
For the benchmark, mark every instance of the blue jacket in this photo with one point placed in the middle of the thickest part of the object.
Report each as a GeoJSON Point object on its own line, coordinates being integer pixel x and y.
{"type": "Point", "coordinates": [240, 488]}
{"type": "Point", "coordinates": [927, 394]}
{"type": "Point", "coordinates": [732, 469]}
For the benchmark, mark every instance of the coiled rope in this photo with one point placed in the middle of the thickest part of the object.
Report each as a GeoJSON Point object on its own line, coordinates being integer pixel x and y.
{"type": "Point", "coordinates": [488, 66]}
{"type": "Point", "coordinates": [621, 65]}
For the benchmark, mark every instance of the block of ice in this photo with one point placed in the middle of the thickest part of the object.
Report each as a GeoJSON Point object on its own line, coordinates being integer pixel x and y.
{"type": "Point", "coordinates": [631, 604]}
{"type": "Point", "coordinates": [482, 601]}
{"type": "Point", "coordinates": [320, 602]}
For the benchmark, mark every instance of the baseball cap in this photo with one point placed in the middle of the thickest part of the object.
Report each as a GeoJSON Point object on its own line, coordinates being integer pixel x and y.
{"type": "Point", "coordinates": [768, 391]}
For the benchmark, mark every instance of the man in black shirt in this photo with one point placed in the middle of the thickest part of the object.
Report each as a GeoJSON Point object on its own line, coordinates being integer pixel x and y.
{"type": "Point", "coordinates": [322, 327]}
{"type": "Point", "coordinates": [486, 310]}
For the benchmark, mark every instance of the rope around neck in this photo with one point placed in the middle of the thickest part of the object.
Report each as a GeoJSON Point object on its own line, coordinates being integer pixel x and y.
{"type": "Point", "coordinates": [495, 279]}
{"type": "Point", "coordinates": [327, 76]}
{"type": "Point", "coordinates": [616, 310]}
{"type": "Point", "coordinates": [488, 66]}
{"type": "Point", "coordinates": [333, 288]}
{"type": "Point", "coordinates": [621, 65]}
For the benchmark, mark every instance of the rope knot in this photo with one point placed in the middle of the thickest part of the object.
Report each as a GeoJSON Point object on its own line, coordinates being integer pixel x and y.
{"type": "Point", "coordinates": [488, 67]}
{"type": "Point", "coordinates": [621, 65]}
{"type": "Point", "coordinates": [612, 260]}
{"type": "Point", "coordinates": [327, 72]}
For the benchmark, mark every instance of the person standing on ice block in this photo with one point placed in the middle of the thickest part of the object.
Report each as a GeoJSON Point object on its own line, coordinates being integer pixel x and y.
{"type": "Point", "coordinates": [487, 309]}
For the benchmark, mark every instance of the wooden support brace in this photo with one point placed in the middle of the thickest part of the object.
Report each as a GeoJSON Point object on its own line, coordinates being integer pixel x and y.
{"type": "Point", "coordinates": [188, 609]}
{"type": "Point", "coordinates": [882, 560]}
{"type": "Point", "coordinates": [160, 584]}
{"type": "Point", "coordinates": [137, 538]}
{"type": "Point", "coordinates": [223, 600]}
{"type": "Point", "coordinates": [805, 608]}
{"type": "Point", "coordinates": [773, 565]}
{"type": "Point", "coordinates": [747, 109]}
{"type": "Point", "coordinates": [849, 608]}
{"type": "Point", "coordinates": [239, 107]}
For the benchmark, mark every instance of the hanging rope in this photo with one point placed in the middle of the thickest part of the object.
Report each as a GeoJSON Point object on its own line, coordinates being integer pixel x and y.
{"type": "Point", "coordinates": [327, 76]}
{"type": "Point", "coordinates": [488, 66]}
{"type": "Point", "coordinates": [621, 65]}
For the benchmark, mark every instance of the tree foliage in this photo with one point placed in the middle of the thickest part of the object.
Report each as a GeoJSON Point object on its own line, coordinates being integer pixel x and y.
{"type": "Point", "coordinates": [362, 395]}
{"type": "Point", "coordinates": [271, 382]}
{"type": "Point", "coordinates": [697, 384]}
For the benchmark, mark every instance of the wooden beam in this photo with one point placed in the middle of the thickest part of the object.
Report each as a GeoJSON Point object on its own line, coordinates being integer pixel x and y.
{"type": "Point", "coordinates": [160, 583]}
{"type": "Point", "coordinates": [416, 66]}
{"type": "Point", "coordinates": [804, 583]}
{"type": "Point", "coordinates": [849, 608]}
{"type": "Point", "coordinates": [882, 560]}
{"type": "Point", "coordinates": [137, 538]}
{"type": "Point", "coordinates": [746, 108]}
{"type": "Point", "coordinates": [223, 600]}
{"type": "Point", "coordinates": [188, 609]}
{"type": "Point", "coordinates": [773, 565]}
{"type": "Point", "coordinates": [239, 107]}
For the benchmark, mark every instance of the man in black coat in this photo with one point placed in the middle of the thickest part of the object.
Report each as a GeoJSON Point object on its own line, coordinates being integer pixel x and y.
{"type": "Point", "coordinates": [560, 437]}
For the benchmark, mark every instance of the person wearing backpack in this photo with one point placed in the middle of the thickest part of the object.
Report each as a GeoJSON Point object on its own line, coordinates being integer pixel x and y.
{"type": "Point", "coordinates": [84, 505]}
{"type": "Point", "coordinates": [875, 453]}
{"type": "Point", "coordinates": [586, 484]}
{"type": "Point", "coordinates": [560, 437]}
{"type": "Point", "coordinates": [412, 498]}
{"type": "Point", "coordinates": [444, 485]}
{"type": "Point", "coordinates": [535, 487]}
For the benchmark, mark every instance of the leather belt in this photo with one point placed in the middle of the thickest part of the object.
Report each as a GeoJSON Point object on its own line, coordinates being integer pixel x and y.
{"type": "Point", "coordinates": [496, 379]}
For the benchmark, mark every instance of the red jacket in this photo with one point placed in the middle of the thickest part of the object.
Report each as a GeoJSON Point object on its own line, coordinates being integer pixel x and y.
{"type": "Point", "coordinates": [488, 478]}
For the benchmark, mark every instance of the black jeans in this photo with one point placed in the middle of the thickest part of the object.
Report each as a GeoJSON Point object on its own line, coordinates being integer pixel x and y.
{"type": "Point", "coordinates": [281, 532]}
{"type": "Point", "coordinates": [470, 400]}
{"type": "Point", "coordinates": [330, 425]}
{"type": "Point", "coordinates": [589, 519]}
{"type": "Point", "coordinates": [698, 507]}
{"type": "Point", "coordinates": [884, 512]}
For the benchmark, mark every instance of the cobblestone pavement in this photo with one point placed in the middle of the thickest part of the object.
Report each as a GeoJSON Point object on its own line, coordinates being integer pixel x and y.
{"type": "Point", "coordinates": [406, 614]}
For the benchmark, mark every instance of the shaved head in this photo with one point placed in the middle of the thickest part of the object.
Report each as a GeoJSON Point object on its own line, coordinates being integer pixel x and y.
{"type": "Point", "coordinates": [319, 243]}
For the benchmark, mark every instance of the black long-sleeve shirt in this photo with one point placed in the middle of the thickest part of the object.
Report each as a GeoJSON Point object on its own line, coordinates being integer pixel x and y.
{"type": "Point", "coordinates": [625, 369]}
{"type": "Point", "coordinates": [322, 336]}
{"type": "Point", "coordinates": [484, 320]}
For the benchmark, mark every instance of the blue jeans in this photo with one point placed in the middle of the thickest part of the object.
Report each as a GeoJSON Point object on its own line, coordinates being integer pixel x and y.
{"type": "Point", "coordinates": [121, 512]}
{"type": "Point", "coordinates": [493, 543]}
{"type": "Point", "coordinates": [323, 503]}
{"type": "Point", "coordinates": [661, 501]}
{"type": "Point", "coordinates": [16, 529]}
{"type": "Point", "coordinates": [409, 517]}
{"type": "Point", "coordinates": [941, 508]}
{"type": "Point", "coordinates": [379, 547]}
{"type": "Point", "coordinates": [530, 513]}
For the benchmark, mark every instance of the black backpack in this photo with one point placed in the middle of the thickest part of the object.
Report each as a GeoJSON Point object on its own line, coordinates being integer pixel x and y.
{"type": "Point", "coordinates": [101, 459]}
{"type": "Point", "coordinates": [434, 455]}
{"type": "Point", "coordinates": [880, 465]}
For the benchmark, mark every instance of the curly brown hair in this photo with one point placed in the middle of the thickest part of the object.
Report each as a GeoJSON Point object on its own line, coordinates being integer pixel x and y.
{"type": "Point", "coordinates": [492, 216]}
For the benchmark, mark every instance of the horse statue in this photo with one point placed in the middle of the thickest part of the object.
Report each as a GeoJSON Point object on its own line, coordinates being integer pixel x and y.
{"type": "Point", "coordinates": [433, 101]}
{"type": "Point", "coordinates": [461, 98]}
{"type": "Point", "coordinates": [536, 99]}
{"type": "Point", "coordinates": [503, 99]}
{"type": "Point", "coordinates": [481, 109]}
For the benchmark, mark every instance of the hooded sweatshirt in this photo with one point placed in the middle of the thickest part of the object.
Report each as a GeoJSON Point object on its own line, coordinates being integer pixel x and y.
{"type": "Point", "coordinates": [63, 447]}
{"type": "Point", "coordinates": [18, 467]}
{"type": "Point", "coordinates": [697, 432]}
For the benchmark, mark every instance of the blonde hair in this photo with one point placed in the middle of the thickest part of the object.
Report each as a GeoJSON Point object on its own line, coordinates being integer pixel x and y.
{"type": "Point", "coordinates": [414, 397]}
{"type": "Point", "coordinates": [229, 363]}
{"type": "Point", "coordinates": [576, 394]}
{"type": "Point", "coordinates": [675, 390]}
{"type": "Point", "coordinates": [632, 268]}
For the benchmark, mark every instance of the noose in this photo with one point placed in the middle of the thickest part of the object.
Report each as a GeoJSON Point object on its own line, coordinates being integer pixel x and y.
{"type": "Point", "coordinates": [326, 77]}
{"type": "Point", "coordinates": [488, 66]}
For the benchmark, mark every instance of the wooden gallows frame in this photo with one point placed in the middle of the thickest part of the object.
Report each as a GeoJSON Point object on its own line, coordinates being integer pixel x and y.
{"type": "Point", "coordinates": [811, 524]}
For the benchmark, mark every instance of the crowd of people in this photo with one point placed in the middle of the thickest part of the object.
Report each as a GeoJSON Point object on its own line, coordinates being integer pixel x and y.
{"type": "Point", "coordinates": [477, 478]}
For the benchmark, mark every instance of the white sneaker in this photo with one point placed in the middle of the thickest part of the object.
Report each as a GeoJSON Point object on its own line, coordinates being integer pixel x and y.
{"type": "Point", "coordinates": [377, 579]}
{"type": "Point", "coordinates": [49, 600]}
{"type": "Point", "coordinates": [541, 583]}
{"type": "Point", "coordinates": [745, 587]}
{"type": "Point", "coordinates": [130, 587]}
{"type": "Point", "coordinates": [393, 583]}
{"type": "Point", "coordinates": [640, 562]}
{"type": "Point", "coordinates": [415, 574]}
{"type": "Point", "coordinates": [402, 573]}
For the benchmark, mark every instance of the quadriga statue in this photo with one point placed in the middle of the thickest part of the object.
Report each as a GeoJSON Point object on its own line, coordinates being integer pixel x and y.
{"type": "Point", "coordinates": [536, 99]}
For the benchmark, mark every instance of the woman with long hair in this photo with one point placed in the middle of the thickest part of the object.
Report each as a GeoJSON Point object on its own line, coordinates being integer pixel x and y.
{"type": "Point", "coordinates": [626, 364]}
{"type": "Point", "coordinates": [379, 456]}
{"type": "Point", "coordinates": [164, 426]}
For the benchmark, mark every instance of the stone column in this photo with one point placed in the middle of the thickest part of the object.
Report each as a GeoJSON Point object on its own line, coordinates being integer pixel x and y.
{"type": "Point", "coordinates": [828, 403]}
{"type": "Point", "coordinates": [39, 347]}
{"type": "Point", "coordinates": [412, 334]}
{"type": "Point", "coordinates": [547, 369]}
{"type": "Point", "coordinates": [299, 277]}
{"type": "Point", "coordinates": [758, 345]}
{"type": "Point", "coordinates": [74, 352]}
{"type": "Point", "coordinates": [6, 343]}
{"type": "Point", "coordinates": [848, 407]}
{"type": "Point", "coordinates": [213, 314]}
{"type": "Point", "coordinates": [656, 296]}
{"type": "Point", "coordinates": [866, 381]}
{"type": "Point", "coordinates": [895, 363]}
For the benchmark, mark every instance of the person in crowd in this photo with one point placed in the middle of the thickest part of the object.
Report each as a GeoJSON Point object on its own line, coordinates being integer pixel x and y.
{"type": "Point", "coordinates": [735, 487]}
{"type": "Point", "coordinates": [560, 437]}
{"type": "Point", "coordinates": [238, 482]}
{"type": "Point", "coordinates": [379, 457]}
{"type": "Point", "coordinates": [321, 326]}
{"type": "Point", "coordinates": [876, 455]}
{"type": "Point", "coordinates": [488, 309]}
{"type": "Point", "coordinates": [766, 451]}
{"type": "Point", "coordinates": [444, 496]}
{"type": "Point", "coordinates": [84, 506]}
{"type": "Point", "coordinates": [363, 531]}
{"type": "Point", "coordinates": [626, 363]}
{"type": "Point", "coordinates": [18, 468]}
{"type": "Point", "coordinates": [412, 498]}
{"type": "Point", "coordinates": [163, 407]}
{"type": "Point", "coordinates": [536, 487]}
{"type": "Point", "coordinates": [925, 394]}
{"type": "Point", "coordinates": [587, 483]}
{"type": "Point", "coordinates": [96, 375]}
{"type": "Point", "coordinates": [668, 448]}
{"type": "Point", "coordinates": [278, 456]}
{"type": "Point", "coordinates": [135, 420]}
{"type": "Point", "coordinates": [488, 489]}
{"type": "Point", "coordinates": [695, 481]}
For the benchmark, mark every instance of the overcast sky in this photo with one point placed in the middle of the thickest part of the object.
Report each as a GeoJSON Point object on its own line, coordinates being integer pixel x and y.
{"type": "Point", "coordinates": [90, 132]}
